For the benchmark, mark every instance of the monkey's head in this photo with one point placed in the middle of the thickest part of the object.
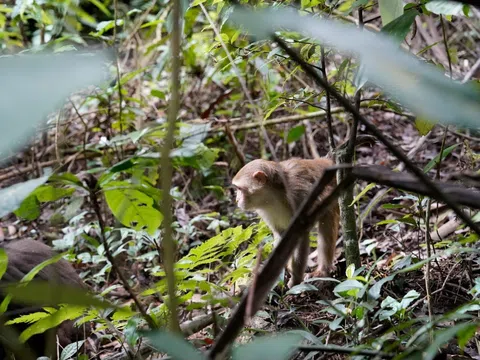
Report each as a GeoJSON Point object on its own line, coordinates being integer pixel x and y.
{"type": "Point", "coordinates": [253, 184]}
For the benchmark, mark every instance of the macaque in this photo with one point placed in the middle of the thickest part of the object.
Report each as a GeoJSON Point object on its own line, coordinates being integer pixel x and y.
{"type": "Point", "coordinates": [275, 190]}
{"type": "Point", "coordinates": [23, 256]}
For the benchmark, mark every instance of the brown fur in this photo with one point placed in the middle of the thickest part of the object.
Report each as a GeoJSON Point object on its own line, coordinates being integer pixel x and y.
{"type": "Point", "coordinates": [23, 256]}
{"type": "Point", "coordinates": [276, 190]}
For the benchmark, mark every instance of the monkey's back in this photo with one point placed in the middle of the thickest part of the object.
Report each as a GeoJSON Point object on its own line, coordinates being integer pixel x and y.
{"type": "Point", "coordinates": [301, 174]}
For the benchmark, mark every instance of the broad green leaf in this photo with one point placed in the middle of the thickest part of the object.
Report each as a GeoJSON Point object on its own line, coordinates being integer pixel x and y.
{"type": "Point", "coordinates": [173, 344]}
{"type": "Point", "coordinates": [445, 7]}
{"type": "Point", "coordinates": [424, 126]}
{"type": "Point", "coordinates": [132, 207]}
{"type": "Point", "coordinates": [408, 298]}
{"type": "Point", "coordinates": [390, 10]}
{"type": "Point", "coordinates": [295, 133]}
{"type": "Point", "coordinates": [13, 196]}
{"type": "Point", "coordinates": [51, 320]}
{"type": "Point", "coordinates": [269, 348]}
{"type": "Point", "coordinates": [374, 291]}
{"type": "Point", "coordinates": [400, 74]}
{"type": "Point", "coordinates": [400, 27]}
{"type": "Point", "coordinates": [47, 193]}
{"type": "Point", "coordinates": [29, 209]}
{"type": "Point", "coordinates": [23, 99]}
{"type": "Point", "coordinates": [436, 159]}
{"type": "Point", "coordinates": [348, 285]}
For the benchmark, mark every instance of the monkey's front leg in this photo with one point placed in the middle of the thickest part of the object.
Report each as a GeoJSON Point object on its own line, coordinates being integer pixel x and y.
{"type": "Point", "coordinates": [298, 262]}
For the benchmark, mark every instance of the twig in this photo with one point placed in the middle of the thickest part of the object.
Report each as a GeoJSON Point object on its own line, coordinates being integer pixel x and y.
{"type": "Point", "coordinates": [310, 140]}
{"type": "Point", "coordinates": [233, 142]}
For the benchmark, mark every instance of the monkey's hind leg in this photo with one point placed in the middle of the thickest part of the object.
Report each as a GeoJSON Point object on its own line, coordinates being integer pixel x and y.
{"type": "Point", "coordinates": [298, 261]}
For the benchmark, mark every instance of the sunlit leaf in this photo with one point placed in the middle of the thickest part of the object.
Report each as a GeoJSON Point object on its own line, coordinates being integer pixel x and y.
{"type": "Point", "coordinates": [423, 126]}
{"type": "Point", "coordinates": [133, 208]}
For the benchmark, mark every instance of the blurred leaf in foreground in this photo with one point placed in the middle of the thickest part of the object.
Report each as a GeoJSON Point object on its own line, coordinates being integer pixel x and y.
{"type": "Point", "coordinates": [32, 86]}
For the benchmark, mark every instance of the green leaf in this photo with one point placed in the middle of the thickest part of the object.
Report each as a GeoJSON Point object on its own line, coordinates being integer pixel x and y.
{"type": "Point", "coordinates": [347, 285]}
{"type": "Point", "coordinates": [47, 193]}
{"type": "Point", "coordinates": [23, 99]}
{"type": "Point", "coordinates": [374, 291]}
{"type": "Point", "coordinates": [363, 192]}
{"type": "Point", "coordinates": [295, 133]}
{"type": "Point", "coordinates": [301, 288]}
{"type": "Point", "coordinates": [390, 10]}
{"type": "Point", "coordinates": [71, 349]}
{"type": "Point", "coordinates": [174, 345]}
{"type": "Point", "coordinates": [132, 207]}
{"type": "Point", "coordinates": [435, 160]}
{"type": "Point", "coordinates": [13, 196]}
{"type": "Point", "coordinates": [51, 320]}
{"type": "Point", "coordinates": [3, 262]}
{"type": "Point", "coordinates": [445, 7]}
{"type": "Point", "coordinates": [401, 75]}
{"type": "Point", "coordinates": [29, 208]}
{"type": "Point", "coordinates": [400, 27]}
{"type": "Point", "coordinates": [424, 126]}
{"type": "Point", "coordinates": [268, 348]}
{"type": "Point", "coordinates": [350, 271]}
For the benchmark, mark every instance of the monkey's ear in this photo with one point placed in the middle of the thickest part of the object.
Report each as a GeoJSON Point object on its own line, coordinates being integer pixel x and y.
{"type": "Point", "coordinates": [260, 176]}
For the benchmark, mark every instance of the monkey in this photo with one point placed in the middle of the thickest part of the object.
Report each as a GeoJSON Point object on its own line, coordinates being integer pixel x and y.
{"type": "Point", "coordinates": [275, 190]}
{"type": "Point", "coordinates": [23, 256]}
